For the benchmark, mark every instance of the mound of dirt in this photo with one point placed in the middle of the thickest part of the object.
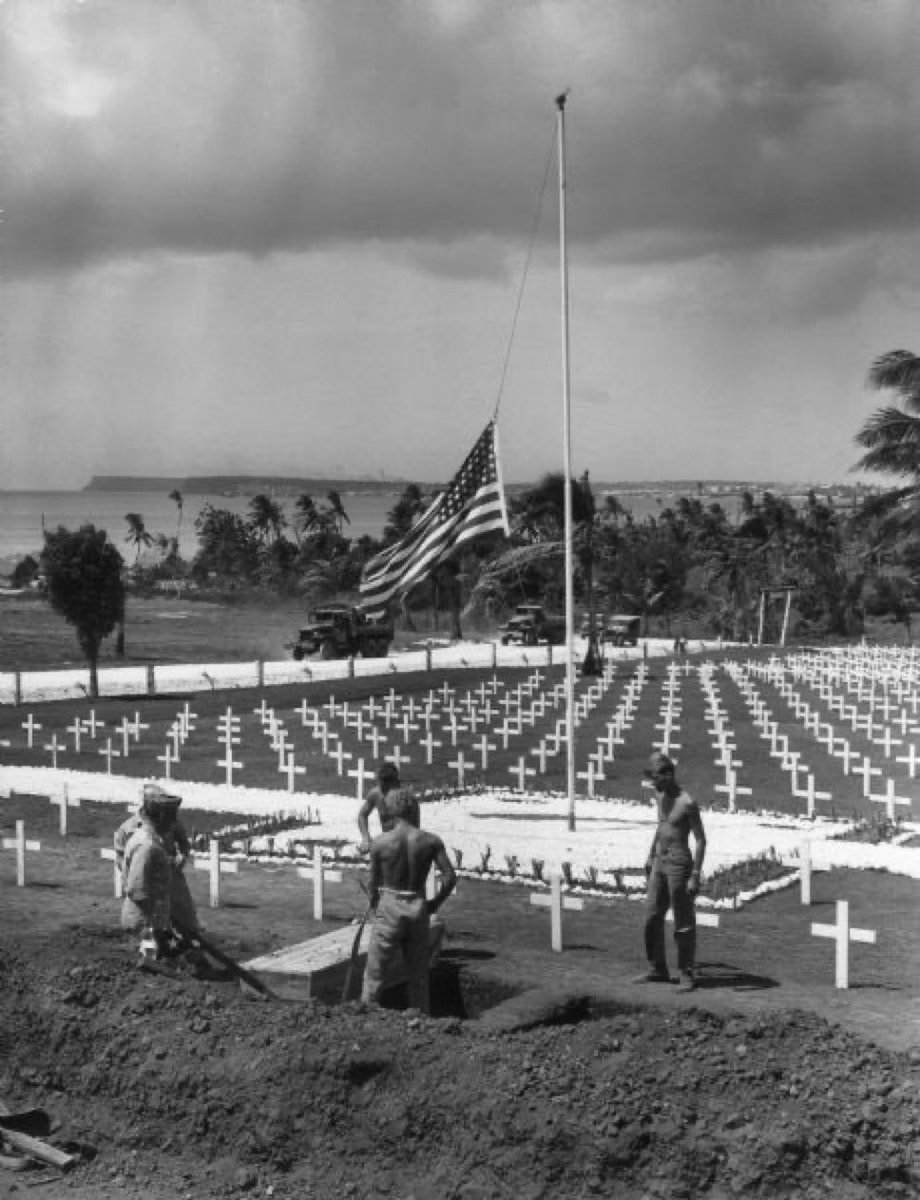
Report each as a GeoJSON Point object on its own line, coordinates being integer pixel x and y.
{"type": "Point", "coordinates": [185, 1087]}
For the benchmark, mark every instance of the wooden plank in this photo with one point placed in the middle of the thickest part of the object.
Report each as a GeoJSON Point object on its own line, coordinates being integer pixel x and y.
{"type": "Point", "coordinates": [317, 968]}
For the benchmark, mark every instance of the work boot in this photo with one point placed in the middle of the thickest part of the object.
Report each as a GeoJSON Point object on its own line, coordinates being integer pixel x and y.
{"type": "Point", "coordinates": [687, 982]}
{"type": "Point", "coordinates": [654, 974]}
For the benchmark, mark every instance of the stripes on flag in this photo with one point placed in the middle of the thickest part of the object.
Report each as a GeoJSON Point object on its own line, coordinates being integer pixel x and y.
{"type": "Point", "coordinates": [472, 504]}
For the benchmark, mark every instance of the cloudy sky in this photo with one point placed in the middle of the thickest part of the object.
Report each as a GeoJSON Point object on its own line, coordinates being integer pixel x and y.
{"type": "Point", "coordinates": [289, 235]}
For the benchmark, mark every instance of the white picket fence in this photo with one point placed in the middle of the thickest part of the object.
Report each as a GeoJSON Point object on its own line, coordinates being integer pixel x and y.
{"type": "Point", "coordinates": [23, 687]}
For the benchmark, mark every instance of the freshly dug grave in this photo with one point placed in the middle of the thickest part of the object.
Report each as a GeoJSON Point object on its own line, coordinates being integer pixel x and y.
{"type": "Point", "coordinates": [185, 1087]}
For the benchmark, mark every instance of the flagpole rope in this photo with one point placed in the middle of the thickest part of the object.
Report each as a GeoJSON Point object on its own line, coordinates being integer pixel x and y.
{"type": "Point", "coordinates": [520, 296]}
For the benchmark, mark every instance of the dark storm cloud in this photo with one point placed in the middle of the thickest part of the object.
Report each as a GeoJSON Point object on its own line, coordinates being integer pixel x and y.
{"type": "Point", "coordinates": [695, 129]}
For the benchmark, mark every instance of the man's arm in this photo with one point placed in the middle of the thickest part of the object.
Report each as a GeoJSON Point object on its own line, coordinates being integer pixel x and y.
{"type": "Point", "coordinates": [651, 854]}
{"type": "Point", "coordinates": [373, 884]}
{"type": "Point", "coordinates": [363, 813]}
{"type": "Point", "coordinates": [448, 877]}
{"type": "Point", "coordinates": [699, 848]}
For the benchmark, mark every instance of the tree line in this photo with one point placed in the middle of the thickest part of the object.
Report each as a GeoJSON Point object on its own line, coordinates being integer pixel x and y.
{"type": "Point", "coordinates": [690, 566]}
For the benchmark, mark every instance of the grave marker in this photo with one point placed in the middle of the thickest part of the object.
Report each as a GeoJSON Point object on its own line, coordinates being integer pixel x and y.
{"type": "Point", "coordinates": [20, 845]}
{"type": "Point", "coordinates": [842, 935]}
{"type": "Point", "coordinates": [320, 877]}
{"type": "Point", "coordinates": [217, 866]}
{"type": "Point", "coordinates": [556, 902]}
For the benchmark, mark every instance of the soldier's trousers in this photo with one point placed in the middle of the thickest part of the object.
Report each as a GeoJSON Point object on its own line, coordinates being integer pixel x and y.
{"type": "Point", "coordinates": [399, 939]}
{"type": "Point", "coordinates": [667, 888]}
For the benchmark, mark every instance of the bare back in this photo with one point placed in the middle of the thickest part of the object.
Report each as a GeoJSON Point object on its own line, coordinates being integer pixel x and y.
{"type": "Point", "coordinates": [402, 857]}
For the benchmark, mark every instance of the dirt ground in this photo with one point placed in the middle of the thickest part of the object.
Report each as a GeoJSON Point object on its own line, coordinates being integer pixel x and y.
{"type": "Point", "coordinates": [538, 1075]}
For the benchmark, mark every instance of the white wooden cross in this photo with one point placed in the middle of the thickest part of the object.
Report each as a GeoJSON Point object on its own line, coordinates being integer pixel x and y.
{"type": "Point", "coordinates": [590, 775]}
{"type": "Point", "coordinates": [186, 716]}
{"type": "Point", "coordinates": [108, 754]}
{"type": "Point", "coordinates": [217, 866]}
{"type": "Point", "coordinates": [452, 728]}
{"type": "Point", "coordinates": [92, 723]}
{"type": "Point", "coordinates": [263, 710]}
{"type": "Point", "coordinates": [289, 767]}
{"type": "Point", "coordinates": [429, 743]}
{"type": "Point", "coordinates": [842, 935]}
{"type": "Point", "coordinates": [124, 731]}
{"type": "Point", "coordinates": [460, 765]}
{"type": "Point", "coordinates": [540, 751]}
{"type": "Point", "coordinates": [166, 759]}
{"type": "Point", "coordinates": [376, 738]}
{"type": "Point", "coordinates": [886, 741]}
{"type": "Point", "coordinates": [361, 775]}
{"type": "Point", "coordinates": [847, 754]}
{"type": "Point", "coordinates": [398, 757]}
{"type": "Point", "coordinates": [31, 726]}
{"type": "Point", "coordinates": [911, 758]}
{"type": "Point", "coordinates": [20, 845]}
{"type": "Point", "coordinates": [319, 876]}
{"type": "Point", "coordinates": [54, 747]}
{"type": "Point", "coordinates": [889, 799]}
{"type": "Point", "coordinates": [137, 725]}
{"type": "Point", "coordinates": [522, 771]}
{"type": "Point", "coordinates": [556, 902]}
{"type": "Point", "coordinates": [227, 762]}
{"type": "Point", "coordinates": [174, 733]}
{"type": "Point", "coordinates": [484, 746]}
{"type": "Point", "coordinates": [732, 788]}
{"type": "Point", "coordinates": [406, 728]}
{"type": "Point", "coordinates": [64, 802]}
{"type": "Point", "coordinates": [867, 770]}
{"type": "Point", "coordinates": [338, 755]}
{"type": "Point", "coordinates": [809, 794]}
{"type": "Point", "coordinates": [77, 730]}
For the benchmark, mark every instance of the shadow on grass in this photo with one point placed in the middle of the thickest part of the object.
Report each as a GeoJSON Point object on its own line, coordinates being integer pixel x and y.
{"type": "Point", "coordinates": [710, 976]}
{"type": "Point", "coordinates": [458, 955]}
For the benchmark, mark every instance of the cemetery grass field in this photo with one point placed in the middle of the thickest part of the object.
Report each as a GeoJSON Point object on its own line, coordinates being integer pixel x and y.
{"type": "Point", "coordinates": [765, 1081]}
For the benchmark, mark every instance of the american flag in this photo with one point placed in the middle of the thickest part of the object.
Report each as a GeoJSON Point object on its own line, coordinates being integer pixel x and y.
{"type": "Point", "coordinates": [472, 504]}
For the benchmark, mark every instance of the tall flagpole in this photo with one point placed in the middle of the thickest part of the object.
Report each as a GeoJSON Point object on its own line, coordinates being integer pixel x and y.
{"type": "Point", "coordinates": [567, 459]}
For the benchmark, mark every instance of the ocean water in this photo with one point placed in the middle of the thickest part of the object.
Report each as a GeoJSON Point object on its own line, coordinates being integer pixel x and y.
{"type": "Point", "coordinates": [23, 515]}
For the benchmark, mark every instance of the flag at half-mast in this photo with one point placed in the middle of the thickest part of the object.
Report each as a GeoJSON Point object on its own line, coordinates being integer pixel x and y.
{"type": "Point", "coordinates": [473, 504]}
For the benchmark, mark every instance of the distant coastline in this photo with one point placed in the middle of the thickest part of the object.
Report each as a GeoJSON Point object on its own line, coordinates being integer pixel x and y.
{"type": "Point", "coordinates": [240, 485]}
{"type": "Point", "coordinates": [286, 485]}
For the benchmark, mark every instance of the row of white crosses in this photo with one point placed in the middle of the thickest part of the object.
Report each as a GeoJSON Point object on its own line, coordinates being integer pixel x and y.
{"type": "Point", "coordinates": [722, 737]}
{"type": "Point", "coordinates": [762, 719]}
{"type": "Point", "coordinates": [616, 727]}
{"type": "Point", "coordinates": [853, 762]}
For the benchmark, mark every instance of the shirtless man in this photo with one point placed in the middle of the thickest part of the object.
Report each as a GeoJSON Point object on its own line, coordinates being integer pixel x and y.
{"type": "Point", "coordinates": [376, 798]}
{"type": "Point", "coordinates": [673, 875]}
{"type": "Point", "coordinates": [400, 861]}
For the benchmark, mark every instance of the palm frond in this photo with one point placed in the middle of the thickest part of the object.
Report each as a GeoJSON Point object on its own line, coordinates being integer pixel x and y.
{"type": "Point", "coordinates": [900, 371]}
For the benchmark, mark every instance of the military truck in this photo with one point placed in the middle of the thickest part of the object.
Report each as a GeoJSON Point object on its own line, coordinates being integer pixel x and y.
{"type": "Point", "coordinates": [623, 630]}
{"type": "Point", "coordinates": [343, 631]}
{"type": "Point", "coordinates": [530, 624]}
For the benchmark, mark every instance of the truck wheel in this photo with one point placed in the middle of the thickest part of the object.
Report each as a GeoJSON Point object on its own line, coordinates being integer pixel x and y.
{"type": "Point", "coordinates": [326, 650]}
{"type": "Point", "coordinates": [298, 653]}
{"type": "Point", "coordinates": [530, 639]}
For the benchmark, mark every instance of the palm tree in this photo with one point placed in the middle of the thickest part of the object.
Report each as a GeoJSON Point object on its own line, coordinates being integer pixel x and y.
{"type": "Point", "coordinates": [176, 496]}
{"type": "Point", "coordinates": [137, 533]}
{"type": "Point", "coordinates": [891, 436]}
{"type": "Point", "coordinates": [267, 517]}
{"type": "Point", "coordinates": [337, 509]}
